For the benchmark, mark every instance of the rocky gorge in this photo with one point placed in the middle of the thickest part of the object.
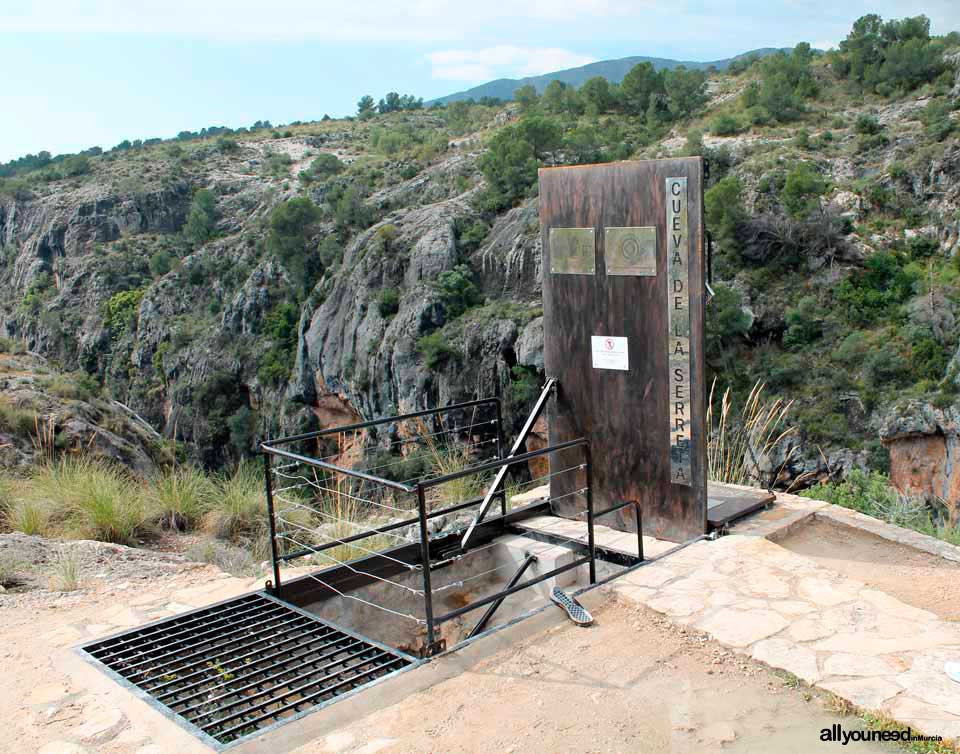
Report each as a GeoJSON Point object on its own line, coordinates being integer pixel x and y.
{"type": "Point", "coordinates": [430, 298]}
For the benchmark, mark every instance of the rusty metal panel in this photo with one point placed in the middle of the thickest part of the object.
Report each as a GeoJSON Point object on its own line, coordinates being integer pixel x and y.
{"type": "Point", "coordinates": [626, 413]}
{"type": "Point", "coordinates": [630, 251]}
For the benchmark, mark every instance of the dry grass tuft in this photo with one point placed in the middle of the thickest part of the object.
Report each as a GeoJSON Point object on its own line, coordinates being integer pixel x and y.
{"type": "Point", "coordinates": [738, 442]}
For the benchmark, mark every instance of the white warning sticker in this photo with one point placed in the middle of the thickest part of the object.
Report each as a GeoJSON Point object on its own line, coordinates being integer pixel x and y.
{"type": "Point", "coordinates": [609, 352]}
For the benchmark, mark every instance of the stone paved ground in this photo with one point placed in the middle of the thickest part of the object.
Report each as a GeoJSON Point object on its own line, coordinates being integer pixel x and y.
{"type": "Point", "coordinates": [832, 631]}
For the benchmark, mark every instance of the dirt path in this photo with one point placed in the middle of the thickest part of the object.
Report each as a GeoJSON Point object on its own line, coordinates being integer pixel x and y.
{"type": "Point", "coordinates": [914, 577]}
{"type": "Point", "coordinates": [632, 683]}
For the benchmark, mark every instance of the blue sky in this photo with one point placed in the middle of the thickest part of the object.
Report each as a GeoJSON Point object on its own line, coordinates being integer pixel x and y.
{"type": "Point", "coordinates": [80, 73]}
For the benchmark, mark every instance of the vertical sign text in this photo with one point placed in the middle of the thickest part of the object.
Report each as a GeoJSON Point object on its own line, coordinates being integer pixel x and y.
{"type": "Point", "coordinates": [678, 319]}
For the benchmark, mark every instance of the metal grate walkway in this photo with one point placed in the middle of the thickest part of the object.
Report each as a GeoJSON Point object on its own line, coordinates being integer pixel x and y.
{"type": "Point", "coordinates": [243, 665]}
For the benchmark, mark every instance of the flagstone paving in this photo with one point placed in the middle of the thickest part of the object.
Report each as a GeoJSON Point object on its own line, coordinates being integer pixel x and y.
{"type": "Point", "coordinates": [832, 631]}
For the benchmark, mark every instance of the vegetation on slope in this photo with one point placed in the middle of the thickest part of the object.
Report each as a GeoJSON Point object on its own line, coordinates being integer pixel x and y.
{"type": "Point", "coordinates": [833, 290]}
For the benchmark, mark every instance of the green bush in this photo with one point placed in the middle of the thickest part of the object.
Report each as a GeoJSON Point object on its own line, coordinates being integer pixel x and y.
{"type": "Point", "coordinates": [509, 167]}
{"type": "Point", "coordinates": [804, 324]}
{"type": "Point", "coordinates": [885, 368]}
{"type": "Point", "coordinates": [291, 224]}
{"type": "Point", "coordinates": [929, 359]}
{"type": "Point", "coordinates": [802, 191]}
{"type": "Point", "coordinates": [936, 119]}
{"type": "Point", "coordinates": [121, 312]}
{"type": "Point", "coordinates": [201, 222]}
{"type": "Point", "coordinates": [457, 290]}
{"type": "Point", "coordinates": [160, 263]}
{"type": "Point", "coordinates": [324, 166]}
{"type": "Point", "coordinates": [388, 302]}
{"type": "Point", "coordinates": [435, 350]}
{"type": "Point", "coordinates": [724, 125]}
{"type": "Point", "coordinates": [867, 125]}
{"type": "Point", "coordinates": [385, 236]}
{"type": "Point", "coordinates": [725, 215]}
{"type": "Point", "coordinates": [74, 165]}
{"type": "Point", "coordinates": [471, 237]}
{"type": "Point", "coordinates": [277, 164]}
{"type": "Point", "coordinates": [728, 323]}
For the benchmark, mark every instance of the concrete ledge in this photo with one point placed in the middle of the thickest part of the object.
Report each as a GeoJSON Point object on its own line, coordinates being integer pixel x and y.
{"type": "Point", "coordinates": [890, 532]}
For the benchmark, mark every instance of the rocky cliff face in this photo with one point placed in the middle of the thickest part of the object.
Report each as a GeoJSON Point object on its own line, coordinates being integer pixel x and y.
{"type": "Point", "coordinates": [98, 276]}
{"type": "Point", "coordinates": [184, 352]}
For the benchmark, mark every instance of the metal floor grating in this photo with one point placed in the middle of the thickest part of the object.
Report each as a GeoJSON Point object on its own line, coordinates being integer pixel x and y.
{"type": "Point", "coordinates": [237, 667]}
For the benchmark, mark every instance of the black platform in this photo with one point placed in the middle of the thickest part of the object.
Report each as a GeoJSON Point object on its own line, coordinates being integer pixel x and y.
{"type": "Point", "coordinates": [726, 503]}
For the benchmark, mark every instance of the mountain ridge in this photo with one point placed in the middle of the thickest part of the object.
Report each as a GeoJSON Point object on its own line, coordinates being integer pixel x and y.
{"type": "Point", "coordinates": [613, 70]}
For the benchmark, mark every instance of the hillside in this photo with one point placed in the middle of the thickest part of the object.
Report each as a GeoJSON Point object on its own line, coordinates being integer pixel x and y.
{"type": "Point", "coordinates": [612, 70]}
{"type": "Point", "coordinates": [234, 287]}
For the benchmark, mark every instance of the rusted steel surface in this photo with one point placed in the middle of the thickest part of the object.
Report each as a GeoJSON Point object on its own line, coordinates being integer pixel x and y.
{"type": "Point", "coordinates": [627, 415]}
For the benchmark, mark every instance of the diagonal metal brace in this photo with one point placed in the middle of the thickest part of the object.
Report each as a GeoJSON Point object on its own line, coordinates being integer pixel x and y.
{"type": "Point", "coordinates": [519, 443]}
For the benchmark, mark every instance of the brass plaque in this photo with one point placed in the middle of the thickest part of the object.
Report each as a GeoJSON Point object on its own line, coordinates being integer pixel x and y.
{"type": "Point", "coordinates": [678, 334]}
{"type": "Point", "coordinates": [631, 251]}
{"type": "Point", "coordinates": [572, 251]}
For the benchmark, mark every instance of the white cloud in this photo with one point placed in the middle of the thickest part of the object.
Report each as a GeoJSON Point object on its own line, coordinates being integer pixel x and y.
{"type": "Point", "coordinates": [502, 61]}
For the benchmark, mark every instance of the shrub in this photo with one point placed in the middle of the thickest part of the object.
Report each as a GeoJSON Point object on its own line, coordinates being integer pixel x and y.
{"type": "Point", "coordinates": [202, 219]}
{"type": "Point", "coordinates": [160, 263]}
{"type": "Point", "coordinates": [470, 237]}
{"type": "Point", "coordinates": [884, 367]}
{"type": "Point", "coordinates": [869, 493]}
{"type": "Point", "coordinates": [277, 164]}
{"type": "Point", "coordinates": [729, 322]}
{"type": "Point", "coordinates": [802, 190]}
{"type": "Point", "coordinates": [509, 167]}
{"type": "Point", "coordinates": [388, 302]}
{"type": "Point", "coordinates": [694, 143]}
{"type": "Point", "coordinates": [936, 119]}
{"type": "Point", "coordinates": [121, 312]}
{"type": "Point", "coordinates": [74, 165]}
{"type": "Point", "coordinates": [177, 498]}
{"type": "Point", "coordinates": [385, 235]}
{"type": "Point", "coordinates": [291, 223]}
{"type": "Point", "coordinates": [457, 290]}
{"type": "Point", "coordinates": [435, 350]}
{"type": "Point", "coordinates": [867, 125]}
{"type": "Point", "coordinates": [324, 166]}
{"type": "Point", "coordinates": [725, 214]}
{"type": "Point", "coordinates": [725, 125]}
{"type": "Point", "coordinates": [804, 324]}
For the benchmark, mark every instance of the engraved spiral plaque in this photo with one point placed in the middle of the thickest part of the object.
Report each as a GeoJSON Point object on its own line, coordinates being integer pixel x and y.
{"type": "Point", "coordinates": [678, 318]}
{"type": "Point", "coordinates": [631, 251]}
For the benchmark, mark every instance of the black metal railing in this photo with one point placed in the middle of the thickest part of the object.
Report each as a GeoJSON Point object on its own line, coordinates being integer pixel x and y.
{"type": "Point", "coordinates": [411, 547]}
